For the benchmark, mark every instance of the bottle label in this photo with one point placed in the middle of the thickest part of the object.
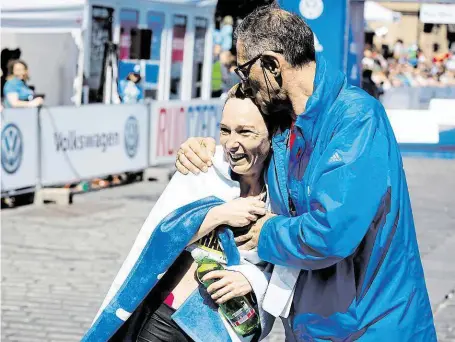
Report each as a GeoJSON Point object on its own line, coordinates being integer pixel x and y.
{"type": "Point", "coordinates": [242, 315]}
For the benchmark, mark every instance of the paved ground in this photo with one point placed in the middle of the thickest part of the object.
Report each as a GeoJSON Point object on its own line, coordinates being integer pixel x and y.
{"type": "Point", "coordinates": [57, 262]}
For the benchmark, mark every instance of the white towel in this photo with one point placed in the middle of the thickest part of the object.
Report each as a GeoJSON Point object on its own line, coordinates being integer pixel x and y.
{"type": "Point", "coordinates": [280, 292]}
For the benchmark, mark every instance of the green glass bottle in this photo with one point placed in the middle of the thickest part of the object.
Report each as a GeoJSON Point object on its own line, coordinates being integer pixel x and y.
{"type": "Point", "coordinates": [238, 311]}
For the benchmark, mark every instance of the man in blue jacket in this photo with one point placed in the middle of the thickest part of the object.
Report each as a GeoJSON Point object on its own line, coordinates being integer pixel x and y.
{"type": "Point", "coordinates": [338, 190]}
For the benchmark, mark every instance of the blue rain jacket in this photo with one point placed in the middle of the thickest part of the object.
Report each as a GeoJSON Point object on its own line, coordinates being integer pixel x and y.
{"type": "Point", "coordinates": [345, 219]}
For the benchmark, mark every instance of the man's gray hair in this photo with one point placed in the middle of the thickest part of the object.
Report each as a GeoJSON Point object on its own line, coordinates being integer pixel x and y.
{"type": "Point", "coordinates": [270, 28]}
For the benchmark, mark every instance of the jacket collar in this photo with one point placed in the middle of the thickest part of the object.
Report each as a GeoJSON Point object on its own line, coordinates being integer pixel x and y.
{"type": "Point", "coordinates": [328, 83]}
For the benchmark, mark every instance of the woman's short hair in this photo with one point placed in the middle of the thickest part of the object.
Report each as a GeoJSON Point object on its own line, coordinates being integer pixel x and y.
{"type": "Point", "coordinates": [12, 63]}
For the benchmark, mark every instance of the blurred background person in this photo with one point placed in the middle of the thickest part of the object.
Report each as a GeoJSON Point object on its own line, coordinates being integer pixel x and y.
{"type": "Point", "coordinates": [217, 74]}
{"type": "Point", "coordinates": [398, 49]}
{"type": "Point", "coordinates": [368, 85]}
{"type": "Point", "coordinates": [226, 32]}
{"type": "Point", "coordinates": [130, 90]}
{"type": "Point", "coordinates": [229, 77]}
{"type": "Point", "coordinates": [16, 91]}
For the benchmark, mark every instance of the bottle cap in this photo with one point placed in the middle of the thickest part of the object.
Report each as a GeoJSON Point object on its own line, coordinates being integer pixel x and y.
{"type": "Point", "coordinates": [198, 255]}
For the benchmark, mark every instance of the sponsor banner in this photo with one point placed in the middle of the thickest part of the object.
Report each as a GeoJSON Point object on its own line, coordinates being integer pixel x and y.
{"type": "Point", "coordinates": [173, 122]}
{"type": "Point", "coordinates": [327, 19]}
{"type": "Point", "coordinates": [437, 13]}
{"type": "Point", "coordinates": [92, 141]}
{"type": "Point", "coordinates": [19, 144]}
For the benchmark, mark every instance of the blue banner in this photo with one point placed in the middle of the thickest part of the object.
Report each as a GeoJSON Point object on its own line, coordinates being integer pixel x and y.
{"type": "Point", "coordinates": [327, 19]}
{"type": "Point", "coordinates": [155, 22]}
{"type": "Point", "coordinates": [353, 70]}
{"type": "Point", "coordinates": [126, 67]}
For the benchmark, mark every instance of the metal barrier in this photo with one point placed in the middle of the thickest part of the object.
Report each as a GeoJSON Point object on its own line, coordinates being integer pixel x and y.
{"type": "Point", "coordinates": [415, 98]}
{"type": "Point", "coordinates": [60, 145]}
{"type": "Point", "coordinates": [20, 149]}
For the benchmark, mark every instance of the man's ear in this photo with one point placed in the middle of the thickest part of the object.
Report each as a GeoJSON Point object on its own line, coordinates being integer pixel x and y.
{"type": "Point", "coordinates": [272, 62]}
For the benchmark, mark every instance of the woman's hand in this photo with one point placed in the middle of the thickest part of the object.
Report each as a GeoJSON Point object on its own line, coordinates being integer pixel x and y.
{"type": "Point", "coordinates": [230, 284]}
{"type": "Point", "coordinates": [38, 101]}
{"type": "Point", "coordinates": [236, 213]}
{"type": "Point", "coordinates": [241, 211]}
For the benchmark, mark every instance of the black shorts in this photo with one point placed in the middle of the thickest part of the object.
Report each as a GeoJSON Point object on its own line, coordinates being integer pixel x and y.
{"type": "Point", "coordinates": [160, 327]}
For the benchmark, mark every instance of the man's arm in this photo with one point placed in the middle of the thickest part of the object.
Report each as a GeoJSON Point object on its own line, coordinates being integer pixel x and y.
{"type": "Point", "coordinates": [346, 191]}
{"type": "Point", "coordinates": [195, 155]}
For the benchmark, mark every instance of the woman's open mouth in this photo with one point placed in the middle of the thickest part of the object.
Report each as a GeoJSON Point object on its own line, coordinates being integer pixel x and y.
{"type": "Point", "coordinates": [237, 157]}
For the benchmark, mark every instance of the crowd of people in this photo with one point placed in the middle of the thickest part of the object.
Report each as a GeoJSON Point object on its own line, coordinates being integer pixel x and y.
{"type": "Point", "coordinates": [403, 66]}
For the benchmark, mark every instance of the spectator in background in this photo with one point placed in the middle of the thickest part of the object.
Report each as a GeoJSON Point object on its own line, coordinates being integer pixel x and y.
{"type": "Point", "coordinates": [17, 93]}
{"type": "Point", "coordinates": [229, 77]}
{"type": "Point", "coordinates": [368, 61]}
{"type": "Point", "coordinates": [129, 89]}
{"type": "Point", "coordinates": [226, 33]}
{"type": "Point", "coordinates": [398, 50]}
{"type": "Point", "coordinates": [368, 85]}
{"type": "Point", "coordinates": [217, 75]}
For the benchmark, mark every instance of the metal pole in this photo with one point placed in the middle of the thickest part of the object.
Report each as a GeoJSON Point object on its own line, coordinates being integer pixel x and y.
{"type": "Point", "coordinates": [39, 174]}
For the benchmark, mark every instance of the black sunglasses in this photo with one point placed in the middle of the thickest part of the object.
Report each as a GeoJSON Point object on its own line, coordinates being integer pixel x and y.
{"type": "Point", "coordinates": [243, 71]}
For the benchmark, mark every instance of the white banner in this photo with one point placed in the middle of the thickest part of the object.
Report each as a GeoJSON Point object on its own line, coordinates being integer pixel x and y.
{"type": "Point", "coordinates": [19, 148]}
{"type": "Point", "coordinates": [414, 126]}
{"type": "Point", "coordinates": [437, 14]}
{"type": "Point", "coordinates": [172, 122]}
{"type": "Point", "coordinates": [92, 141]}
{"type": "Point", "coordinates": [444, 111]}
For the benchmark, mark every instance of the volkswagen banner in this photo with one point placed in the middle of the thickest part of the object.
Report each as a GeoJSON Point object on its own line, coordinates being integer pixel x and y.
{"type": "Point", "coordinates": [92, 141]}
{"type": "Point", "coordinates": [173, 122]}
{"type": "Point", "coordinates": [19, 148]}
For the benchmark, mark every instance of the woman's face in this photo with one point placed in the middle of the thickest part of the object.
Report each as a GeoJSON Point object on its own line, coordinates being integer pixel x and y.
{"type": "Point", "coordinates": [244, 136]}
{"type": "Point", "coordinates": [20, 71]}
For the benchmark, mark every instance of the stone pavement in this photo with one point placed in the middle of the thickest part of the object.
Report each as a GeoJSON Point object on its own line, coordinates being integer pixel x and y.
{"type": "Point", "coordinates": [58, 262]}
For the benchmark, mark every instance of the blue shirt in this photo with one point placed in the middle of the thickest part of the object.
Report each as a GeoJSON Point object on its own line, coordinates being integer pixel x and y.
{"type": "Point", "coordinates": [18, 86]}
{"type": "Point", "coordinates": [226, 37]}
{"type": "Point", "coordinates": [130, 92]}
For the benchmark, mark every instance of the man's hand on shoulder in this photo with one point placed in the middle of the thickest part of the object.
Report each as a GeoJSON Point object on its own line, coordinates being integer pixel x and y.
{"type": "Point", "coordinates": [250, 240]}
{"type": "Point", "coordinates": [195, 155]}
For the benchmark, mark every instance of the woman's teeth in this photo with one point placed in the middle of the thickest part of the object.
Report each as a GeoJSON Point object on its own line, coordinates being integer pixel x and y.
{"type": "Point", "coordinates": [237, 157]}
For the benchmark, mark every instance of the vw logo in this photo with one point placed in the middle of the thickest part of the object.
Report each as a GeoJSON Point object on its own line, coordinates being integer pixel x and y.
{"type": "Point", "coordinates": [12, 148]}
{"type": "Point", "coordinates": [311, 9]}
{"type": "Point", "coordinates": [131, 136]}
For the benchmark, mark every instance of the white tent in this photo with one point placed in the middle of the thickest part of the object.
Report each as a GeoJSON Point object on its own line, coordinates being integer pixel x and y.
{"type": "Point", "coordinates": [60, 15]}
{"type": "Point", "coordinates": [42, 15]}
{"type": "Point", "coordinates": [48, 33]}
{"type": "Point", "coordinates": [375, 12]}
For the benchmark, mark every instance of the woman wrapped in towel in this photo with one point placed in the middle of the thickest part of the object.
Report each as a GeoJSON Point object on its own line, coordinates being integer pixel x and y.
{"type": "Point", "coordinates": [155, 296]}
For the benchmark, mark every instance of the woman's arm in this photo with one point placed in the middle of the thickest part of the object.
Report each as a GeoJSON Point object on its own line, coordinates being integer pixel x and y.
{"type": "Point", "coordinates": [236, 213]}
{"type": "Point", "coordinates": [211, 221]}
{"type": "Point", "coordinates": [13, 99]}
